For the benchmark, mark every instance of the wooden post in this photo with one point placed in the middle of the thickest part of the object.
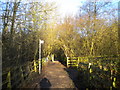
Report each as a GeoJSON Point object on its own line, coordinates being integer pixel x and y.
{"type": "Point", "coordinates": [78, 62]}
{"type": "Point", "coordinates": [52, 57]}
{"type": "Point", "coordinates": [22, 73]}
{"type": "Point", "coordinates": [22, 76]}
{"type": "Point", "coordinates": [35, 69]}
{"type": "Point", "coordinates": [67, 61]}
{"type": "Point", "coordinates": [114, 82]}
{"type": "Point", "coordinates": [9, 80]}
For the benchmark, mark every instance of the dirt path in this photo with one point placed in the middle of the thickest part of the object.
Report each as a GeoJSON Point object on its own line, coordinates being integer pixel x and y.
{"type": "Point", "coordinates": [55, 76]}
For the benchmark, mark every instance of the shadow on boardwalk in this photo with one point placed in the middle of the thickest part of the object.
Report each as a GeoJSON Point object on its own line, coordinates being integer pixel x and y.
{"type": "Point", "coordinates": [73, 74]}
{"type": "Point", "coordinates": [55, 77]}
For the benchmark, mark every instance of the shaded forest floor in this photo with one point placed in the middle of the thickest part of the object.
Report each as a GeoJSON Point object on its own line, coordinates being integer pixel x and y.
{"type": "Point", "coordinates": [55, 75]}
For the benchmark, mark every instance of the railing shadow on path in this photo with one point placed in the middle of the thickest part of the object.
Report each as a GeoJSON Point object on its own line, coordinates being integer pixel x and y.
{"type": "Point", "coordinates": [73, 74]}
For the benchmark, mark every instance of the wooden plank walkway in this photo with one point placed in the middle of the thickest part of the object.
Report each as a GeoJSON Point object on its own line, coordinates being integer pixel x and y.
{"type": "Point", "coordinates": [55, 76]}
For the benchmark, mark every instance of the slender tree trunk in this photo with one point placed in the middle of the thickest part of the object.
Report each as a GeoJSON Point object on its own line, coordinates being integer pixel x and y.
{"type": "Point", "coordinates": [119, 27]}
{"type": "Point", "coordinates": [15, 8]}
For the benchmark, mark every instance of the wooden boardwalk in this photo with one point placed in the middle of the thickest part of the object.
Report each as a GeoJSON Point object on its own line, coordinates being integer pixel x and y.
{"type": "Point", "coordinates": [55, 76]}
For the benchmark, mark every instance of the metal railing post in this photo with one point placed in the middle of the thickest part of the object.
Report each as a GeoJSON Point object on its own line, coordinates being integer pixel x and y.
{"type": "Point", "coordinates": [39, 56]}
